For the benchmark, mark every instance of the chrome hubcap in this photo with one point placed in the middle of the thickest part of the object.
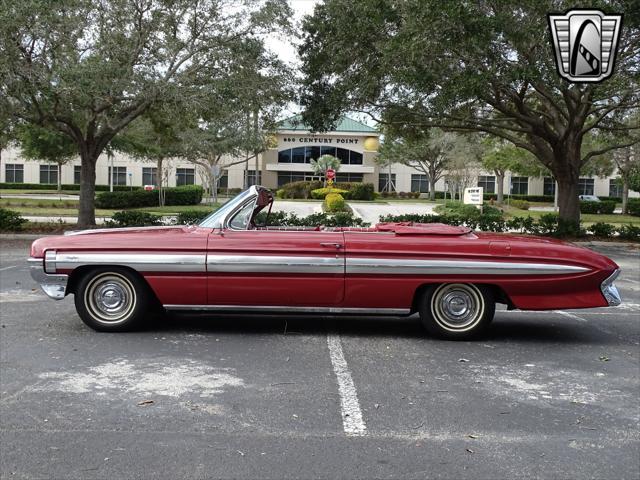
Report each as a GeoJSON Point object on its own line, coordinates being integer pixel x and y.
{"type": "Point", "coordinates": [110, 298]}
{"type": "Point", "coordinates": [457, 307]}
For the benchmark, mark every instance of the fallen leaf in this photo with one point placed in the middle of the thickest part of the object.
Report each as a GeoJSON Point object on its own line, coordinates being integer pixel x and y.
{"type": "Point", "coordinates": [604, 358]}
{"type": "Point", "coordinates": [469, 450]}
{"type": "Point", "coordinates": [376, 405]}
{"type": "Point", "coordinates": [462, 360]}
{"type": "Point", "coordinates": [472, 436]}
{"type": "Point", "coordinates": [145, 403]}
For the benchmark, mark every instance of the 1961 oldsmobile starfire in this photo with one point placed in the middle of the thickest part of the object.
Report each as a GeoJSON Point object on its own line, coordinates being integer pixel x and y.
{"type": "Point", "coordinates": [451, 275]}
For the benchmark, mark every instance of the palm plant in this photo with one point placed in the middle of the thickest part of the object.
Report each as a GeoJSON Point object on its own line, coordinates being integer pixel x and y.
{"type": "Point", "coordinates": [324, 163]}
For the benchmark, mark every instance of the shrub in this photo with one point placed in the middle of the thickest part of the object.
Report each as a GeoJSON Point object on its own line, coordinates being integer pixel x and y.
{"type": "Point", "coordinates": [190, 217]}
{"type": "Point", "coordinates": [133, 219]}
{"type": "Point", "coordinates": [185, 195]}
{"type": "Point", "coordinates": [131, 199]}
{"type": "Point", "coordinates": [361, 191]}
{"type": "Point", "coordinates": [633, 207]}
{"type": "Point", "coordinates": [321, 193]}
{"type": "Point", "coordinates": [282, 219]}
{"type": "Point", "coordinates": [629, 232]}
{"type": "Point", "coordinates": [601, 229]}
{"type": "Point", "coordinates": [298, 189]}
{"type": "Point", "coordinates": [334, 202]}
{"type": "Point", "coordinates": [10, 221]}
{"type": "Point", "coordinates": [521, 204]}
{"type": "Point", "coordinates": [605, 207]}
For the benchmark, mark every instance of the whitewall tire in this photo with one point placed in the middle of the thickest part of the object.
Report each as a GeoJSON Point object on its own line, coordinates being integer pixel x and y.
{"type": "Point", "coordinates": [457, 311]}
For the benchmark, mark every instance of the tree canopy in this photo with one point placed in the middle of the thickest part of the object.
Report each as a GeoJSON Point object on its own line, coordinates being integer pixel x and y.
{"type": "Point", "coordinates": [473, 66]}
{"type": "Point", "coordinates": [88, 68]}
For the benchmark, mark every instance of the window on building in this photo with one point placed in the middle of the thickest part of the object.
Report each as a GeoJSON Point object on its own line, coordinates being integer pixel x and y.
{"type": "Point", "coordinates": [328, 151]}
{"type": "Point", "coordinates": [348, 177]}
{"type": "Point", "coordinates": [585, 186]}
{"type": "Point", "coordinates": [355, 158]}
{"type": "Point", "coordinates": [251, 177]}
{"type": "Point", "coordinates": [311, 153]}
{"type": "Point", "coordinates": [288, 177]}
{"type": "Point", "coordinates": [520, 185]}
{"type": "Point", "coordinates": [76, 174]}
{"type": "Point", "coordinates": [284, 156]}
{"type": "Point", "coordinates": [386, 185]}
{"type": "Point", "coordinates": [615, 187]}
{"type": "Point", "coordinates": [49, 174]}
{"type": "Point", "coordinates": [149, 176]}
{"type": "Point", "coordinates": [488, 183]}
{"type": "Point", "coordinates": [306, 154]}
{"type": "Point", "coordinates": [297, 155]}
{"type": "Point", "coordinates": [419, 183]}
{"type": "Point", "coordinates": [119, 175]}
{"type": "Point", "coordinates": [549, 187]}
{"type": "Point", "coordinates": [14, 173]}
{"type": "Point", "coordinates": [185, 176]}
{"type": "Point", "coordinates": [223, 180]}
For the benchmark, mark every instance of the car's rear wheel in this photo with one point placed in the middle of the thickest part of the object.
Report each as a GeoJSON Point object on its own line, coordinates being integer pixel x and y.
{"type": "Point", "coordinates": [111, 299]}
{"type": "Point", "coordinates": [457, 311]}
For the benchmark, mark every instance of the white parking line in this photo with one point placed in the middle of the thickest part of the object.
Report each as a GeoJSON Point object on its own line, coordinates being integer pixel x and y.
{"type": "Point", "coordinates": [7, 268]}
{"type": "Point", "coordinates": [570, 315]}
{"type": "Point", "coordinates": [352, 420]}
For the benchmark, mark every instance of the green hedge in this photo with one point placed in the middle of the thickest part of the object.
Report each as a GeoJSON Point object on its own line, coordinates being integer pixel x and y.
{"type": "Point", "coordinates": [10, 221]}
{"type": "Point", "coordinates": [353, 190]}
{"type": "Point", "coordinates": [185, 195]}
{"type": "Point", "coordinates": [633, 207]}
{"type": "Point", "coordinates": [548, 224]}
{"type": "Point", "coordinates": [133, 219]}
{"type": "Point", "coordinates": [602, 207]}
{"type": "Point", "coordinates": [68, 187]}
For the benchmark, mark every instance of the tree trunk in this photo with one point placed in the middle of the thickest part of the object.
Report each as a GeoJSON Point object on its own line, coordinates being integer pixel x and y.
{"type": "Point", "coordinates": [432, 189]}
{"type": "Point", "coordinates": [59, 178]}
{"type": "Point", "coordinates": [568, 201]}
{"type": "Point", "coordinates": [159, 163]}
{"type": "Point", "coordinates": [87, 213]}
{"type": "Point", "coordinates": [500, 185]}
{"type": "Point", "coordinates": [625, 195]}
{"type": "Point", "coordinates": [566, 170]}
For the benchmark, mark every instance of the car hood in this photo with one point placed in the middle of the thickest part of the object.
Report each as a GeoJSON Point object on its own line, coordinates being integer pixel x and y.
{"type": "Point", "coordinates": [131, 238]}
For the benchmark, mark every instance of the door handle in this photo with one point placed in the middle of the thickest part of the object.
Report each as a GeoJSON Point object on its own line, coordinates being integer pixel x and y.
{"type": "Point", "coordinates": [331, 245]}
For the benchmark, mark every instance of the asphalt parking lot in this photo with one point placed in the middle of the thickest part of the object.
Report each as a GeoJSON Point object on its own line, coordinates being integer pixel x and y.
{"type": "Point", "coordinates": [543, 395]}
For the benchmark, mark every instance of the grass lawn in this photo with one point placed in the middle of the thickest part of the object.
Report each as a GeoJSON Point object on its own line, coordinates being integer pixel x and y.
{"type": "Point", "coordinates": [69, 208]}
{"type": "Point", "coordinates": [9, 191]}
{"type": "Point", "coordinates": [587, 218]}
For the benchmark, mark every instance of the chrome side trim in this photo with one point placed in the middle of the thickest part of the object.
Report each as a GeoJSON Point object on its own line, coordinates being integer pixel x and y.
{"type": "Point", "coordinates": [390, 266]}
{"type": "Point", "coordinates": [610, 291]}
{"type": "Point", "coordinates": [144, 262]}
{"type": "Point", "coordinates": [289, 309]}
{"type": "Point", "coordinates": [275, 264]}
{"type": "Point", "coordinates": [54, 286]}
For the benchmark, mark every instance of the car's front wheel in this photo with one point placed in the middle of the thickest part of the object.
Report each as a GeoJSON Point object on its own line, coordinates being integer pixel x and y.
{"type": "Point", "coordinates": [111, 299]}
{"type": "Point", "coordinates": [457, 311]}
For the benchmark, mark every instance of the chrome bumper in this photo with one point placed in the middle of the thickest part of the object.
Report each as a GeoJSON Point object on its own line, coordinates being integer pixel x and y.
{"type": "Point", "coordinates": [54, 285]}
{"type": "Point", "coordinates": [610, 291]}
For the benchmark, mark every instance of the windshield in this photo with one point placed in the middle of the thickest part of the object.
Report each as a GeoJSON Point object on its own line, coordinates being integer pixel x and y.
{"type": "Point", "coordinates": [216, 219]}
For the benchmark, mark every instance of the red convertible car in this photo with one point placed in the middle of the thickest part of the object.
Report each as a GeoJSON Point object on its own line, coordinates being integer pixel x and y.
{"type": "Point", "coordinates": [451, 276]}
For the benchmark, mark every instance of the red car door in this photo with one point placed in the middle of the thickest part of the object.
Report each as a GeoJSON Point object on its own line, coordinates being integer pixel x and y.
{"type": "Point", "coordinates": [275, 268]}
